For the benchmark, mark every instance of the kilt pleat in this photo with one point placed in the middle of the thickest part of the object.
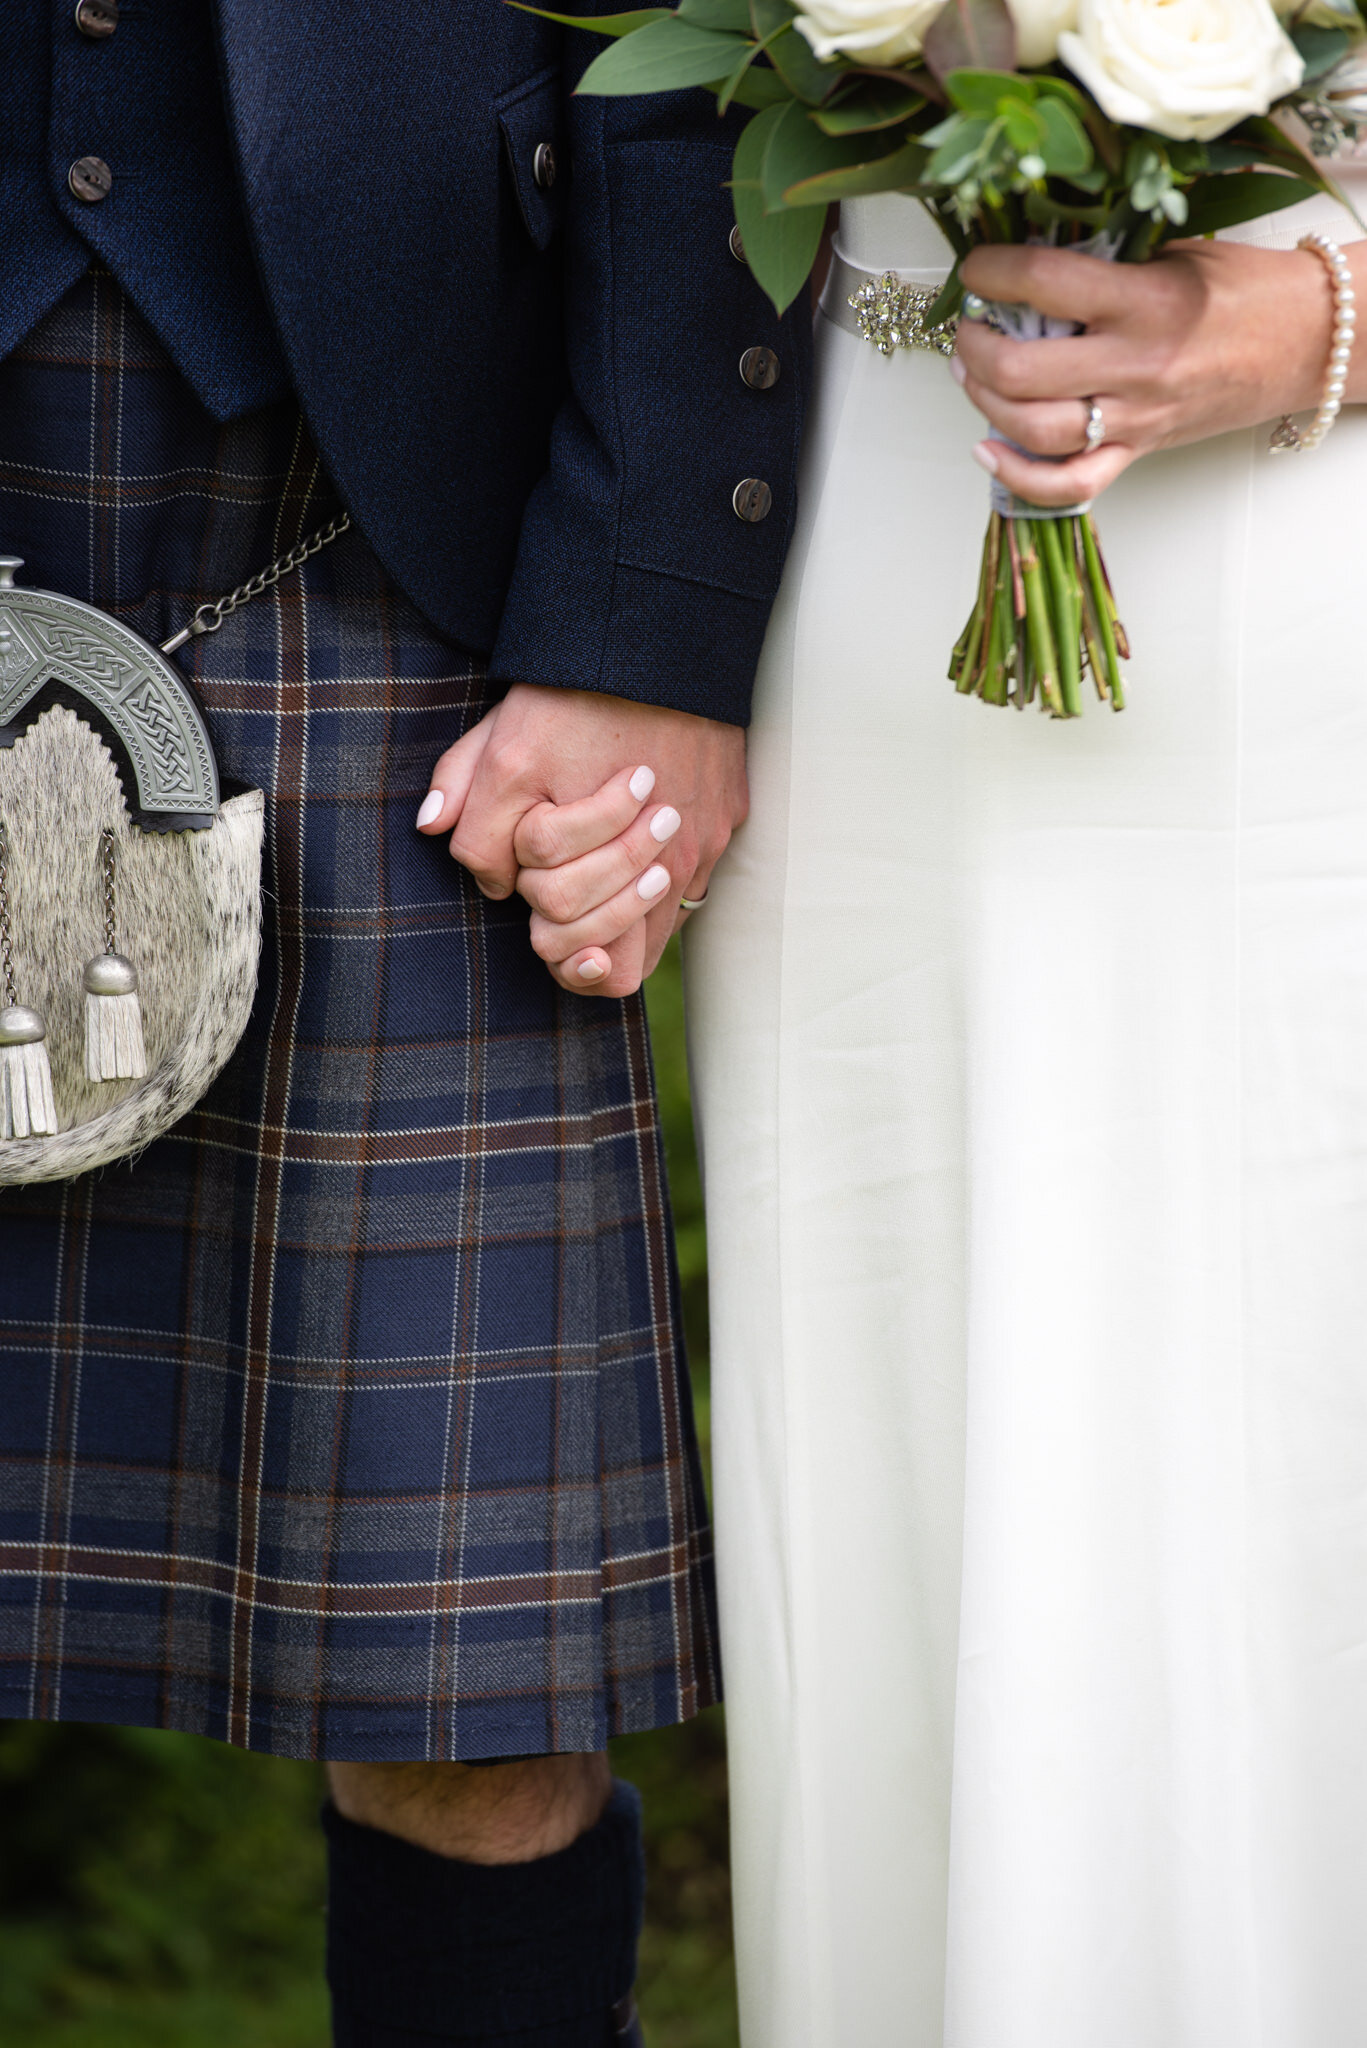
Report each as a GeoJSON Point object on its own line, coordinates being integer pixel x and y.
{"type": "Point", "coordinates": [352, 1419]}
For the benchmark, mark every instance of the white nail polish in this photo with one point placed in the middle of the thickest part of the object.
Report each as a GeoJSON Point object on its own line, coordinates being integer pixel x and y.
{"type": "Point", "coordinates": [431, 807]}
{"type": "Point", "coordinates": [665, 824]}
{"type": "Point", "coordinates": [590, 970]}
{"type": "Point", "coordinates": [641, 784]}
{"type": "Point", "coordinates": [957, 370]}
{"type": "Point", "coordinates": [983, 456]}
{"type": "Point", "coordinates": [653, 883]}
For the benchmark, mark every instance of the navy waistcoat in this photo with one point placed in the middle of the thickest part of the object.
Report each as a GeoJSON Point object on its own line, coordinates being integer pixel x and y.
{"type": "Point", "coordinates": [520, 364]}
{"type": "Point", "coordinates": [146, 101]}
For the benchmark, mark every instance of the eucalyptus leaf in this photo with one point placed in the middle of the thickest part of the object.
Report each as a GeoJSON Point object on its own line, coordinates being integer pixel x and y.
{"type": "Point", "coordinates": [1065, 148]}
{"type": "Point", "coordinates": [958, 151]}
{"type": "Point", "coordinates": [899, 171]}
{"type": "Point", "coordinates": [727, 88]}
{"type": "Point", "coordinates": [780, 247]}
{"type": "Point", "coordinates": [806, 77]}
{"type": "Point", "coordinates": [1321, 49]}
{"type": "Point", "coordinates": [982, 92]}
{"type": "Point", "coordinates": [756, 87]}
{"type": "Point", "coordinates": [662, 57]}
{"type": "Point", "coordinates": [1222, 202]}
{"type": "Point", "coordinates": [915, 78]}
{"type": "Point", "coordinates": [601, 24]}
{"type": "Point", "coordinates": [770, 17]}
{"type": "Point", "coordinates": [976, 35]}
{"type": "Point", "coordinates": [732, 16]}
{"type": "Point", "coordinates": [1023, 131]}
{"type": "Point", "coordinates": [1234, 156]}
{"type": "Point", "coordinates": [798, 151]}
{"type": "Point", "coordinates": [1277, 148]}
{"type": "Point", "coordinates": [873, 103]}
{"type": "Point", "coordinates": [1048, 84]}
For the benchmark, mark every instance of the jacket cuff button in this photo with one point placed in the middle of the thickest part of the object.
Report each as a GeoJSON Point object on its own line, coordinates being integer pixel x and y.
{"type": "Point", "coordinates": [759, 368]}
{"type": "Point", "coordinates": [752, 500]}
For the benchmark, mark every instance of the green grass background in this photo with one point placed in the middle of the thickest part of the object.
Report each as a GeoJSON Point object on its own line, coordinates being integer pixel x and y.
{"type": "Point", "coordinates": [160, 1891]}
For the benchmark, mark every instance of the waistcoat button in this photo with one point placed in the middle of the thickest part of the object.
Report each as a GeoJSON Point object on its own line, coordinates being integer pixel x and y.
{"type": "Point", "coordinates": [752, 499]}
{"type": "Point", "coordinates": [90, 178]}
{"type": "Point", "coordinates": [97, 18]}
{"type": "Point", "coordinates": [759, 367]}
{"type": "Point", "coordinates": [544, 166]}
{"type": "Point", "coordinates": [736, 245]}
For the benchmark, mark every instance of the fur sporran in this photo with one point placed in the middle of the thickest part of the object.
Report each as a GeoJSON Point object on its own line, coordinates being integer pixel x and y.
{"type": "Point", "coordinates": [130, 896]}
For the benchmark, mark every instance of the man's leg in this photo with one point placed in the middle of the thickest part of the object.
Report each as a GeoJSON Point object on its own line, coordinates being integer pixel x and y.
{"type": "Point", "coordinates": [475, 1904]}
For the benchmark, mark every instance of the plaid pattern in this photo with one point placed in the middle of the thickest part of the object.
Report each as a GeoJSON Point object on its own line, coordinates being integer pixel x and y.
{"type": "Point", "coordinates": [352, 1420]}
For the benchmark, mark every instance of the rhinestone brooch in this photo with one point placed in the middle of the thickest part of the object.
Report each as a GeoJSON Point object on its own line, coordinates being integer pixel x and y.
{"type": "Point", "coordinates": [892, 315]}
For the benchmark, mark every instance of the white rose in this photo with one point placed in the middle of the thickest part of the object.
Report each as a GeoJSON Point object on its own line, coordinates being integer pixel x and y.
{"type": "Point", "coordinates": [1185, 68]}
{"type": "Point", "coordinates": [1039, 23]}
{"type": "Point", "coordinates": [876, 31]}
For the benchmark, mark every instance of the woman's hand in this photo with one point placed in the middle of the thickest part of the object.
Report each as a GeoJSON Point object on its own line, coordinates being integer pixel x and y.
{"type": "Point", "coordinates": [596, 872]}
{"type": "Point", "coordinates": [543, 796]}
{"type": "Point", "coordinates": [1207, 337]}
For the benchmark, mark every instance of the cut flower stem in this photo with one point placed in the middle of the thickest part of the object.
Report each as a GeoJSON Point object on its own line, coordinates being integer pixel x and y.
{"type": "Point", "coordinates": [1044, 616]}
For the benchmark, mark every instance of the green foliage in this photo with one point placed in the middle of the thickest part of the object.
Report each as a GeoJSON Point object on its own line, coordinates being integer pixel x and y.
{"type": "Point", "coordinates": [661, 57]}
{"type": "Point", "coordinates": [1224, 202]}
{"type": "Point", "coordinates": [780, 247]}
{"type": "Point", "coordinates": [156, 1889]}
{"type": "Point", "coordinates": [996, 154]}
{"type": "Point", "coordinates": [1322, 48]}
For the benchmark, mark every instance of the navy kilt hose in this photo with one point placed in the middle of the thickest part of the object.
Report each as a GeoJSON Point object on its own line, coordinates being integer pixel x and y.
{"type": "Point", "coordinates": [352, 1420]}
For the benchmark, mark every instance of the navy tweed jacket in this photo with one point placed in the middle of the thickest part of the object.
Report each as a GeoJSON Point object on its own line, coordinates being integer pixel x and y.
{"type": "Point", "coordinates": [529, 398]}
{"type": "Point", "coordinates": [527, 394]}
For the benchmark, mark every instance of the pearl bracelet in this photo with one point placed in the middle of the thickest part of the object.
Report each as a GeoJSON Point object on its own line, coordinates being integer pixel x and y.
{"type": "Point", "coordinates": [1287, 434]}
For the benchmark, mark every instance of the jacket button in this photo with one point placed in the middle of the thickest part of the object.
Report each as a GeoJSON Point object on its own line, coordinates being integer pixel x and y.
{"type": "Point", "coordinates": [752, 499]}
{"type": "Point", "coordinates": [759, 368]}
{"type": "Point", "coordinates": [545, 169]}
{"type": "Point", "coordinates": [90, 178]}
{"type": "Point", "coordinates": [736, 245]}
{"type": "Point", "coordinates": [97, 18]}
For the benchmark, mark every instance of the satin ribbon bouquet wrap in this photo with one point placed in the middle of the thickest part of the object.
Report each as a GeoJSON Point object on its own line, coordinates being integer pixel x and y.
{"type": "Point", "coordinates": [1109, 126]}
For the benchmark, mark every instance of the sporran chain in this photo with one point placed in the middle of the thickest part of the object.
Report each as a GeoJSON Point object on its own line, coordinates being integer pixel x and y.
{"type": "Point", "coordinates": [210, 617]}
{"type": "Point", "coordinates": [6, 935]}
{"type": "Point", "coordinates": [107, 877]}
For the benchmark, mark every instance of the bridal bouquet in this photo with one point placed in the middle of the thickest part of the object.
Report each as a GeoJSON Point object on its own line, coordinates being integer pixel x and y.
{"type": "Point", "coordinates": [1109, 126]}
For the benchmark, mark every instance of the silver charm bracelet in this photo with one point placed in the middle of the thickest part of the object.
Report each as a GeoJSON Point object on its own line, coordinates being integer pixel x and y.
{"type": "Point", "coordinates": [1287, 434]}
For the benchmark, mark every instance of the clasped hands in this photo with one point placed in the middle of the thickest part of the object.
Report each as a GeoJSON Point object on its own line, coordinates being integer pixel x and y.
{"type": "Point", "coordinates": [601, 812]}
{"type": "Point", "coordinates": [1208, 337]}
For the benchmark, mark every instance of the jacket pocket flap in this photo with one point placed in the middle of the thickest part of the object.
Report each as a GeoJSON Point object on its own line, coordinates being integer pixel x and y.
{"type": "Point", "coordinates": [531, 117]}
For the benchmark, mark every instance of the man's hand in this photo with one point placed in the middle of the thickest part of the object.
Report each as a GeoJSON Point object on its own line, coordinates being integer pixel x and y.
{"type": "Point", "coordinates": [511, 794]}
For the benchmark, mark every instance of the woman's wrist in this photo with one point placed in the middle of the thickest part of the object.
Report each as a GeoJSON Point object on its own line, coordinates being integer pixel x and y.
{"type": "Point", "coordinates": [1310, 310]}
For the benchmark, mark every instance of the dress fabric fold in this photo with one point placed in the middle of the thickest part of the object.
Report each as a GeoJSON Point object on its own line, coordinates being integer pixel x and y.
{"type": "Point", "coordinates": [1029, 1062]}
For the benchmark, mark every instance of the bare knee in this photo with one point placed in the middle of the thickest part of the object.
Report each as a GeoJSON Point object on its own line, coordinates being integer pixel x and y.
{"type": "Point", "coordinates": [495, 1813]}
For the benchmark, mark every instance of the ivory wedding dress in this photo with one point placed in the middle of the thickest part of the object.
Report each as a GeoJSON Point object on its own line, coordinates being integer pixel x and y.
{"type": "Point", "coordinates": [1031, 1065]}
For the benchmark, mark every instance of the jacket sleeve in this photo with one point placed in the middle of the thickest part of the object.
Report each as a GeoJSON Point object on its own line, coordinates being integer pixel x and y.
{"type": "Point", "coordinates": [634, 574]}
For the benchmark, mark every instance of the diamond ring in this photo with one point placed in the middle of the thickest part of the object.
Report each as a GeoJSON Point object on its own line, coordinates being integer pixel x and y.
{"type": "Point", "coordinates": [1096, 425]}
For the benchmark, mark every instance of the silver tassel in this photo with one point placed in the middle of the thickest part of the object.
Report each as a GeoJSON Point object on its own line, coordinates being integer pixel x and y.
{"type": "Point", "coordinates": [27, 1109]}
{"type": "Point", "coordinates": [114, 1048]}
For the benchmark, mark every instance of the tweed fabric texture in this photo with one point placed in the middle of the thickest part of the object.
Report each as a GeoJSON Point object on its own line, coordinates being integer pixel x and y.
{"type": "Point", "coordinates": [351, 1420]}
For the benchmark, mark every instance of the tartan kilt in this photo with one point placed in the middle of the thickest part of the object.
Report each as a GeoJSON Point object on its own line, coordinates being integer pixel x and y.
{"type": "Point", "coordinates": [351, 1420]}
